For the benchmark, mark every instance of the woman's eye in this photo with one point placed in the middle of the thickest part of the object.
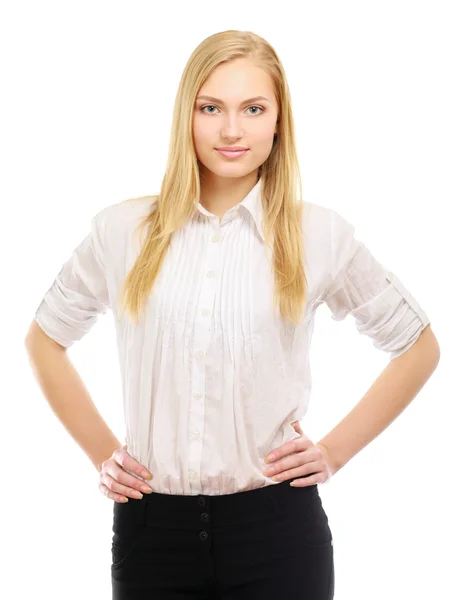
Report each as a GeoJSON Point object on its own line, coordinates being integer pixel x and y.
{"type": "Point", "coordinates": [261, 109]}
{"type": "Point", "coordinates": [213, 106]}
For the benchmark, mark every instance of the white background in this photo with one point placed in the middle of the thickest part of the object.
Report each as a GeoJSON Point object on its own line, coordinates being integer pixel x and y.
{"type": "Point", "coordinates": [382, 102]}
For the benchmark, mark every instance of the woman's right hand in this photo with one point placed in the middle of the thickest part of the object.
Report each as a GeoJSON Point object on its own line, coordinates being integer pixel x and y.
{"type": "Point", "coordinates": [116, 484]}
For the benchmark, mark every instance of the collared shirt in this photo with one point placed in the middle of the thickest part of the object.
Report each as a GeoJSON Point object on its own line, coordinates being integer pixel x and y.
{"type": "Point", "coordinates": [212, 377]}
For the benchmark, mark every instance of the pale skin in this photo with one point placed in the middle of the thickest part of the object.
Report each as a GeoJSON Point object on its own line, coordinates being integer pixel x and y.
{"type": "Point", "coordinates": [236, 106]}
{"type": "Point", "coordinates": [229, 119]}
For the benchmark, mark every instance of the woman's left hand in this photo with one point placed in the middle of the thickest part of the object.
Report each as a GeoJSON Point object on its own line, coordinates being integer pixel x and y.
{"type": "Point", "coordinates": [305, 457]}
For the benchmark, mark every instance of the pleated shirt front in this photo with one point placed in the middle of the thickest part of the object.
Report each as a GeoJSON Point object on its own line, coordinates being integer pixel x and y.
{"type": "Point", "coordinates": [212, 377]}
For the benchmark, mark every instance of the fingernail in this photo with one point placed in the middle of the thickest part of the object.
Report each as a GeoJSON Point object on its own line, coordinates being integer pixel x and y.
{"type": "Point", "coordinates": [146, 474]}
{"type": "Point", "coordinates": [269, 458]}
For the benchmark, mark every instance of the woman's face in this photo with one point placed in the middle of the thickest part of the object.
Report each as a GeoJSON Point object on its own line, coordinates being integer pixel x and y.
{"type": "Point", "coordinates": [228, 119]}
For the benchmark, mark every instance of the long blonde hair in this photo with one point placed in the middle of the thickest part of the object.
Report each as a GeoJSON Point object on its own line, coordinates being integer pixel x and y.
{"type": "Point", "coordinates": [180, 189]}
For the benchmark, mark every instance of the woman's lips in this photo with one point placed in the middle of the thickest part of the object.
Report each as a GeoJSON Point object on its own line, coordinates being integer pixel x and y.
{"type": "Point", "coordinates": [229, 154]}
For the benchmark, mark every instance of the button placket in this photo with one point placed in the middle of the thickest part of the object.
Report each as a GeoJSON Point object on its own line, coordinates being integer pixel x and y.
{"type": "Point", "coordinates": [196, 412]}
{"type": "Point", "coordinates": [204, 517]}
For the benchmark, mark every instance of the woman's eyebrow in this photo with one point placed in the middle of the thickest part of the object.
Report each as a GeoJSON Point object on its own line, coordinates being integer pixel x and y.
{"type": "Point", "coordinates": [212, 99]}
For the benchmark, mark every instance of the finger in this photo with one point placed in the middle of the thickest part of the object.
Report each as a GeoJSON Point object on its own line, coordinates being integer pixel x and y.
{"type": "Point", "coordinates": [112, 495]}
{"type": "Point", "coordinates": [296, 460]}
{"type": "Point", "coordinates": [116, 471]}
{"type": "Point", "coordinates": [308, 476]}
{"type": "Point", "coordinates": [287, 449]}
{"type": "Point", "coordinates": [118, 488]}
{"type": "Point", "coordinates": [304, 469]}
{"type": "Point", "coordinates": [317, 476]}
{"type": "Point", "coordinates": [124, 459]}
{"type": "Point", "coordinates": [306, 481]}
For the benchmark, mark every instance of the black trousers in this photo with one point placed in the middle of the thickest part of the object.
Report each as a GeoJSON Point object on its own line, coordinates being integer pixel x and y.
{"type": "Point", "coordinates": [269, 543]}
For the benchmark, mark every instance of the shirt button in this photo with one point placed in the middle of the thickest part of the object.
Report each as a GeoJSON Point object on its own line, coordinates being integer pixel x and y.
{"type": "Point", "coordinates": [198, 395]}
{"type": "Point", "coordinates": [205, 312]}
{"type": "Point", "coordinates": [215, 238]}
{"type": "Point", "coordinates": [200, 354]}
{"type": "Point", "coordinates": [192, 474]}
{"type": "Point", "coordinates": [210, 273]}
{"type": "Point", "coordinates": [195, 435]}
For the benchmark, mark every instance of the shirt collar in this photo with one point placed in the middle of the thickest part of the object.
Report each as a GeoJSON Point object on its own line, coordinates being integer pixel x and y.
{"type": "Point", "coordinates": [252, 203]}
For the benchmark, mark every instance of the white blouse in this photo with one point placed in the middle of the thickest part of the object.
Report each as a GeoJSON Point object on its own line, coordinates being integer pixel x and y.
{"type": "Point", "coordinates": [212, 378]}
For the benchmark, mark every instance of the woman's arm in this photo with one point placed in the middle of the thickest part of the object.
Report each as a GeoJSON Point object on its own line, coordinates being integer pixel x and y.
{"type": "Point", "coordinates": [389, 395]}
{"type": "Point", "coordinates": [68, 397]}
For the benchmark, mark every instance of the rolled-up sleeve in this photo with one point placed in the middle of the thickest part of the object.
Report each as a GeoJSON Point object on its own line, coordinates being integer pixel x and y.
{"type": "Point", "coordinates": [79, 293]}
{"type": "Point", "coordinates": [382, 307]}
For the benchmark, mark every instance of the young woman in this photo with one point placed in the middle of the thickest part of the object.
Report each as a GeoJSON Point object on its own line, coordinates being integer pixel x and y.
{"type": "Point", "coordinates": [214, 307]}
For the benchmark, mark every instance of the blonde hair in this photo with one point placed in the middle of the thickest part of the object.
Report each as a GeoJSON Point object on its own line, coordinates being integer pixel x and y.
{"type": "Point", "coordinates": [180, 189]}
